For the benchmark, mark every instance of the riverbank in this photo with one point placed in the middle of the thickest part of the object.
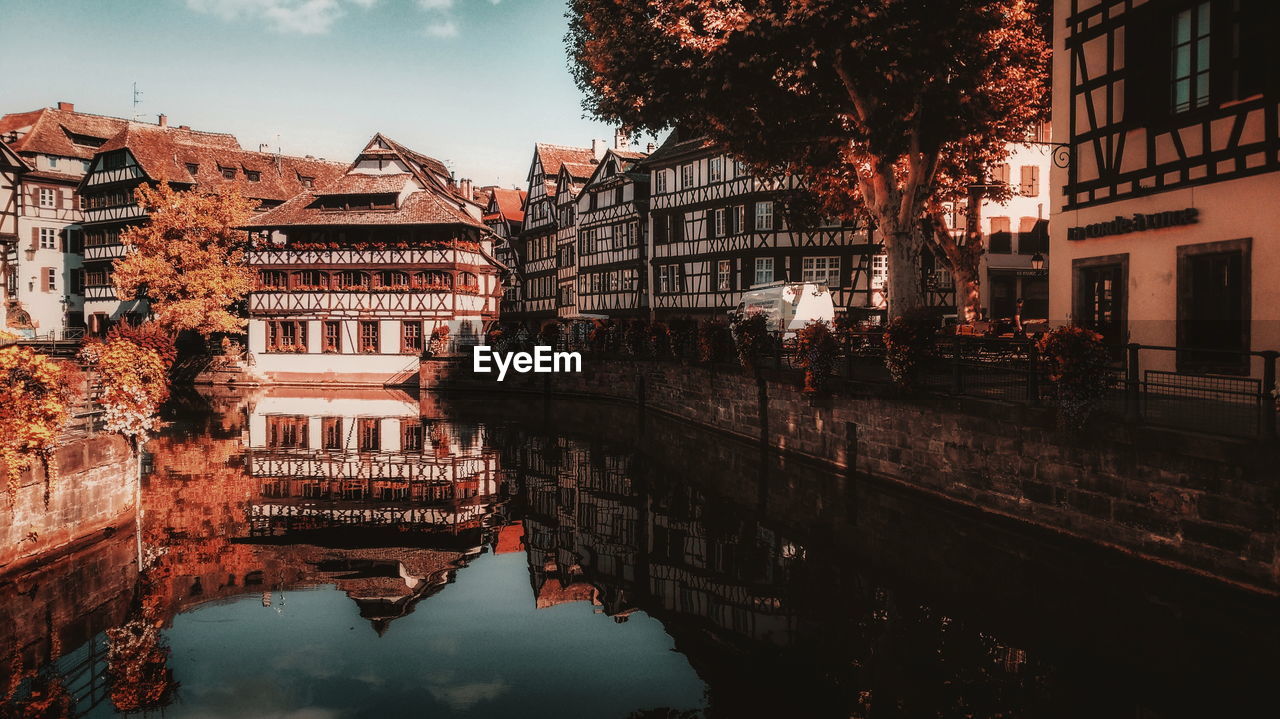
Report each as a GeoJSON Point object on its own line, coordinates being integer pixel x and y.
{"type": "Point", "coordinates": [1200, 504]}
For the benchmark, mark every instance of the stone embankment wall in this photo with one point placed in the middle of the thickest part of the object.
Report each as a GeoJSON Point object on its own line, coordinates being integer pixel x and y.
{"type": "Point", "coordinates": [90, 487]}
{"type": "Point", "coordinates": [1199, 503]}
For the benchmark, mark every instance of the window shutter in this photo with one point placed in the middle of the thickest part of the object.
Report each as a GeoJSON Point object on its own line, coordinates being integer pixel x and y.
{"type": "Point", "coordinates": [35, 238]}
{"type": "Point", "coordinates": [846, 270]}
{"type": "Point", "coordinates": [797, 268]}
{"type": "Point", "coordinates": [45, 273]}
{"type": "Point", "coordinates": [779, 269]}
{"type": "Point", "coordinates": [746, 270]}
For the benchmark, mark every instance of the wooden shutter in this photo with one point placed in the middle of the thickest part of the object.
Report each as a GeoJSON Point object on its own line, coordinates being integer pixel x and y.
{"type": "Point", "coordinates": [45, 273]}
{"type": "Point", "coordinates": [797, 267]}
{"type": "Point", "coordinates": [746, 272]}
{"type": "Point", "coordinates": [846, 270]}
{"type": "Point", "coordinates": [35, 238]}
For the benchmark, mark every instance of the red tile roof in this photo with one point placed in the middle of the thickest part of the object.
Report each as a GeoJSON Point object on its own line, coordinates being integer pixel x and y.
{"type": "Point", "coordinates": [579, 160]}
{"type": "Point", "coordinates": [49, 131]}
{"type": "Point", "coordinates": [434, 200]}
{"type": "Point", "coordinates": [509, 203]}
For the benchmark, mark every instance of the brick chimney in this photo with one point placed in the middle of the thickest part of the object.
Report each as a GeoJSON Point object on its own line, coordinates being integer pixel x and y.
{"type": "Point", "coordinates": [621, 139]}
{"type": "Point", "coordinates": [67, 106]}
{"type": "Point", "coordinates": [598, 148]}
{"type": "Point", "coordinates": [464, 187]}
{"type": "Point", "coordinates": [163, 120]}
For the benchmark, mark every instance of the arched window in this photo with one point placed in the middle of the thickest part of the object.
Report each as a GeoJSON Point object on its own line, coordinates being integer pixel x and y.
{"type": "Point", "coordinates": [311, 279]}
{"type": "Point", "coordinates": [468, 282]}
{"type": "Point", "coordinates": [272, 279]}
{"type": "Point", "coordinates": [348, 279]}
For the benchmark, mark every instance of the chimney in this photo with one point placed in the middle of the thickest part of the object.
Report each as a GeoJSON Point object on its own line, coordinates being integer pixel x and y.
{"type": "Point", "coordinates": [264, 148]}
{"type": "Point", "coordinates": [598, 148]}
{"type": "Point", "coordinates": [650, 148]}
{"type": "Point", "coordinates": [163, 120]}
{"type": "Point", "coordinates": [464, 186]}
{"type": "Point", "coordinates": [621, 139]}
{"type": "Point", "coordinates": [67, 106]}
{"type": "Point", "coordinates": [184, 127]}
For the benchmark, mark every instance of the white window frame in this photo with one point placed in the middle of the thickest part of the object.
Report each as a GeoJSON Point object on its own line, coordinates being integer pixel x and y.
{"type": "Point", "coordinates": [720, 223]}
{"type": "Point", "coordinates": [724, 275]}
{"type": "Point", "coordinates": [688, 175]}
{"type": "Point", "coordinates": [715, 169]}
{"type": "Point", "coordinates": [51, 279]}
{"type": "Point", "coordinates": [48, 238]}
{"type": "Point", "coordinates": [659, 181]}
{"type": "Point", "coordinates": [879, 271]}
{"type": "Point", "coordinates": [825, 268]}
{"type": "Point", "coordinates": [764, 216]}
{"type": "Point", "coordinates": [739, 218]}
{"type": "Point", "coordinates": [47, 198]}
{"type": "Point", "coordinates": [763, 265]}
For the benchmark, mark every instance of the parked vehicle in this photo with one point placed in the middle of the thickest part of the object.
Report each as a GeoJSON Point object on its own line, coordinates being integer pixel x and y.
{"type": "Point", "coordinates": [789, 305]}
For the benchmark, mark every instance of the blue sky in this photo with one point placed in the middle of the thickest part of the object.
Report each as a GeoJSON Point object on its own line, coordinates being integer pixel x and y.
{"type": "Point", "coordinates": [472, 82]}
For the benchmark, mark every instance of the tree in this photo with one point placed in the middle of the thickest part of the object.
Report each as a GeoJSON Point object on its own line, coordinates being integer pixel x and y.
{"type": "Point", "coordinates": [871, 99]}
{"type": "Point", "coordinates": [134, 376]}
{"type": "Point", "coordinates": [37, 393]}
{"type": "Point", "coordinates": [188, 258]}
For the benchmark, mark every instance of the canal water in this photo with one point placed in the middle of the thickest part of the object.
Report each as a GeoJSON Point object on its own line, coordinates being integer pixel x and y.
{"type": "Point", "coordinates": [321, 554]}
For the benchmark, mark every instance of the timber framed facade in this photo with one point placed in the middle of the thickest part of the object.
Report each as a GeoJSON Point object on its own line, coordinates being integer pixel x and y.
{"type": "Point", "coordinates": [715, 231]}
{"type": "Point", "coordinates": [612, 261]}
{"type": "Point", "coordinates": [1171, 110]}
{"type": "Point", "coordinates": [504, 216]}
{"type": "Point", "coordinates": [355, 275]}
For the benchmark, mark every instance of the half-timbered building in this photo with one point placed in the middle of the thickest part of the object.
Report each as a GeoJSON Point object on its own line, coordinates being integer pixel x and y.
{"type": "Point", "coordinates": [538, 249]}
{"type": "Point", "coordinates": [504, 216]}
{"type": "Point", "coordinates": [186, 159]}
{"type": "Point", "coordinates": [612, 263]}
{"type": "Point", "coordinates": [12, 168]}
{"type": "Point", "coordinates": [354, 275]}
{"type": "Point", "coordinates": [45, 281]}
{"type": "Point", "coordinates": [716, 230]}
{"type": "Point", "coordinates": [1165, 224]}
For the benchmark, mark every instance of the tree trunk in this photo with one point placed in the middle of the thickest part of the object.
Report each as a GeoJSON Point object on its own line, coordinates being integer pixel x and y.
{"type": "Point", "coordinates": [904, 246]}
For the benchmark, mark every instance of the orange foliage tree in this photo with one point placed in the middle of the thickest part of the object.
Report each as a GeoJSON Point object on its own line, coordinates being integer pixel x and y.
{"type": "Point", "coordinates": [135, 382]}
{"type": "Point", "coordinates": [188, 258]}
{"type": "Point", "coordinates": [35, 394]}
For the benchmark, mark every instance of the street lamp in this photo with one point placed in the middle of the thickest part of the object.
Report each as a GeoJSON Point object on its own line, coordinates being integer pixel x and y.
{"type": "Point", "coordinates": [1037, 261]}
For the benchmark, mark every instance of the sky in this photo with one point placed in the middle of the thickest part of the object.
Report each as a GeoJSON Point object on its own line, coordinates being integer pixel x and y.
{"type": "Point", "coordinates": [474, 83]}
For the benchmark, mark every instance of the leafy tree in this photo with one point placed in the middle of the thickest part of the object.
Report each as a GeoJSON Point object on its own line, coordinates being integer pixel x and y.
{"type": "Point", "coordinates": [35, 395]}
{"type": "Point", "coordinates": [187, 259]}
{"type": "Point", "coordinates": [876, 101]}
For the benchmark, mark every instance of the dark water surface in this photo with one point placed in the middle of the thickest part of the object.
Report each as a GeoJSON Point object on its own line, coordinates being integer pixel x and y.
{"type": "Point", "coordinates": [316, 555]}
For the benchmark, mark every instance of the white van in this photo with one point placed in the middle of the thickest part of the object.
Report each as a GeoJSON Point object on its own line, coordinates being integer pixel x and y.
{"type": "Point", "coordinates": [788, 306]}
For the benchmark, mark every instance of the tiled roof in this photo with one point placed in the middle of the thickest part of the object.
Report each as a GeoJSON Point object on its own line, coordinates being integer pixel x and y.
{"type": "Point", "coordinates": [164, 153]}
{"type": "Point", "coordinates": [580, 160]}
{"type": "Point", "coordinates": [430, 203]}
{"type": "Point", "coordinates": [678, 143]}
{"type": "Point", "coordinates": [510, 203]}
{"type": "Point", "coordinates": [626, 161]}
{"type": "Point", "coordinates": [48, 131]}
{"type": "Point", "coordinates": [353, 184]}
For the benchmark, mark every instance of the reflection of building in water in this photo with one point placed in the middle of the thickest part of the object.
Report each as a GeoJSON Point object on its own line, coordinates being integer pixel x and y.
{"type": "Point", "coordinates": [598, 530]}
{"type": "Point", "coordinates": [366, 458]}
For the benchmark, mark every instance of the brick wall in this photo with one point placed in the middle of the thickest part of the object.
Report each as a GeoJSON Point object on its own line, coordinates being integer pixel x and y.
{"type": "Point", "coordinates": [91, 489]}
{"type": "Point", "coordinates": [1200, 503]}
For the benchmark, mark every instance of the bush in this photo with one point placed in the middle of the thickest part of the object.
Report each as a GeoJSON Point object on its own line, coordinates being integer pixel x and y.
{"type": "Point", "coordinates": [750, 338]}
{"type": "Point", "coordinates": [816, 350]}
{"type": "Point", "coordinates": [150, 335]}
{"type": "Point", "coordinates": [684, 340]}
{"type": "Point", "coordinates": [657, 340]}
{"type": "Point", "coordinates": [37, 395]}
{"type": "Point", "coordinates": [908, 342]}
{"type": "Point", "coordinates": [549, 335]}
{"type": "Point", "coordinates": [714, 342]}
{"type": "Point", "coordinates": [1079, 370]}
{"type": "Point", "coordinates": [438, 343]}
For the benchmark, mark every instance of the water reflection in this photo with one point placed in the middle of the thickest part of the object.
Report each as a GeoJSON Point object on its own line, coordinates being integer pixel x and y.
{"type": "Point", "coordinates": [373, 553]}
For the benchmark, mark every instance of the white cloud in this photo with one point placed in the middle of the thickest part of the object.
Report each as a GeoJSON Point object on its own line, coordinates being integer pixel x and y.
{"type": "Point", "coordinates": [443, 28]}
{"type": "Point", "coordinates": [435, 4]}
{"type": "Point", "coordinates": [304, 17]}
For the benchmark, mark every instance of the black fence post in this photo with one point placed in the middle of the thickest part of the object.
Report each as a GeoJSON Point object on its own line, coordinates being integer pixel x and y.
{"type": "Point", "coordinates": [1267, 416]}
{"type": "Point", "coordinates": [1033, 374]}
{"type": "Point", "coordinates": [957, 369]}
{"type": "Point", "coordinates": [1131, 388]}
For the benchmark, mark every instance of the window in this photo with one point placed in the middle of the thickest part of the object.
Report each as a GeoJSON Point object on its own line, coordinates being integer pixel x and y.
{"type": "Point", "coordinates": [468, 282]}
{"type": "Point", "coordinates": [53, 162]}
{"type": "Point", "coordinates": [660, 181]}
{"type": "Point", "coordinates": [724, 275]}
{"type": "Point", "coordinates": [307, 182]}
{"type": "Point", "coordinates": [310, 279]}
{"type": "Point", "coordinates": [687, 174]}
{"type": "Point", "coordinates": [739, 168]}
{"type": "Point", "coordinates": [411, 435]}
{"type": "Point", "coordinates": [1098, 288]}
{"type": "Point", "coordinates": [228, 172]}
{"type": "Point", "coordinates": [720, 223]}
{"type": "Point", "coordinates": [369, 430]}
{"type": "Point", "coordinates": [287, 431]}
{"type": "Point", "coordinates": [47, 197]}
{"type": "Point", "coordinates": [286, 336]}
{"type": "Point", "coordinates": [764, 270]}
{"type": "Point", "coordinates": [77, 282]}
{"type": "Point", "coordinates": [1000, 241]}
{"type": "Point", "coordinates": [272, 279]}
{"type": "Point", "coordinates": [369, 337]}
{"type": "Point", "coordinates": [192, 168]}
{"type": "Point", "coordinates": [1213, 306]}
{"type": "Point", "coordinates": [331, 433]}
{"type": "Point", "coordinates": [332, 337]}
{"type": "Point", "coordinates": [351, 279]}
{"type": "Point", "coordinates": [670, 279]}
{"type": "Point", "coordinates": [715, 169]}
{"type": "Point", "coordinates": [879, 271]}
{"type": "Point", "coordinates": [764, 216]}
{"type": "Point", "coordinates": [433, 280]}
{"type": "Point", "coordinates": [739, 219]}
{"type": "Point", "coordinates": [821, 269]}
{"type": "Point", "coordinates": [252, 175]}
{"type": "Point", "coordinates": [48, 238]}
{"type": "Point", "coordinates": [50, 279]}
{"type": "Point", "coordinates": [1190, 58]}
{"type": "Point", "coordinates": [1030, 186]}
{"type": "Point", "coordinates": [410, 337]}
